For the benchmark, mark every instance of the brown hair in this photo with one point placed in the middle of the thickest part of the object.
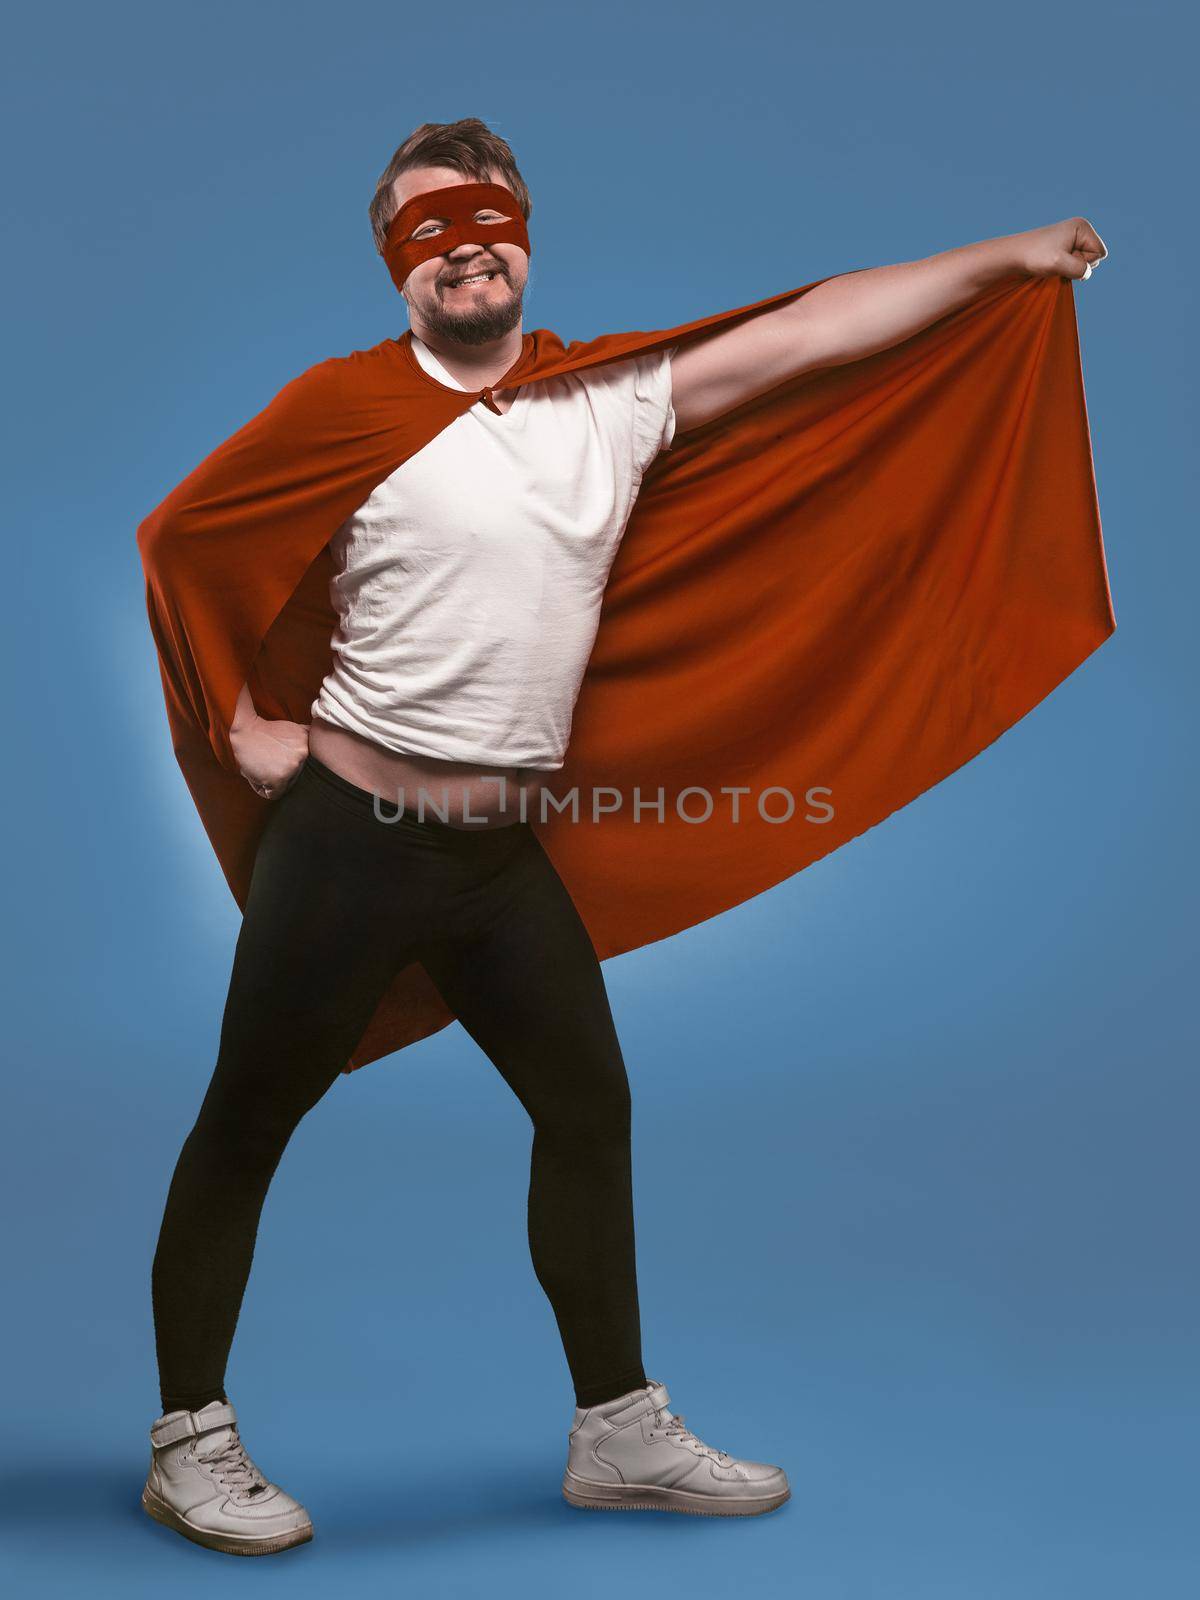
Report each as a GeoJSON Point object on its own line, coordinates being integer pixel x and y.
{"type": "Point", "coordinates": [469, 146]}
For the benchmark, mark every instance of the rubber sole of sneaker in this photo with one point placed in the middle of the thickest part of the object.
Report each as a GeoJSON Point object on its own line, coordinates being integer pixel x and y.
{"type": "Point", "coordinates": [226, 1543]}
{"type": "Point", "coordinates": [590, 1496]}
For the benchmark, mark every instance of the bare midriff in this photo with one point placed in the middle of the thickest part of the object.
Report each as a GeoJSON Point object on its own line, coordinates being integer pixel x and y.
{"type": "Point", "coordinates": [460, 793]}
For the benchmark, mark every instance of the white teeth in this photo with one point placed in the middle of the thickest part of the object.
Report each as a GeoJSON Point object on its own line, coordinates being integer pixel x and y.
{"type": "Point", "coordinates": [477, 277]}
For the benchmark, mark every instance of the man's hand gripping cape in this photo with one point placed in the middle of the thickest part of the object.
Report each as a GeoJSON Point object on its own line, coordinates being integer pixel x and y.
{"type": "Point", "coordinates": [854, 583]}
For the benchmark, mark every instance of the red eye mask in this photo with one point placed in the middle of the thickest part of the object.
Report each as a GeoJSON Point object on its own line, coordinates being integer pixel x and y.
{"type": "Point", "coordinates": [457, 204]}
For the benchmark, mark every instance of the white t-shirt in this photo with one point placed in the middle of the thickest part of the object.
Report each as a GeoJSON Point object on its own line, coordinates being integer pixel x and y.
{"type": "Point", "coordinates": [468, 586]}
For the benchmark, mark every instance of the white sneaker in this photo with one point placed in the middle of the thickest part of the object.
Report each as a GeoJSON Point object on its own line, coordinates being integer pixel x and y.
{"type": "Point", "coordinates": [632, 1454]}
{"type": "Point", "coordinates": [204, 1485]}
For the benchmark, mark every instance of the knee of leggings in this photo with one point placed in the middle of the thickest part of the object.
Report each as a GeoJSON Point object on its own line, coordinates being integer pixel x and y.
{"type": "Point", "coordinates": [592, 1116]}
{"type": "Point", "coordinates": [244, 1138]}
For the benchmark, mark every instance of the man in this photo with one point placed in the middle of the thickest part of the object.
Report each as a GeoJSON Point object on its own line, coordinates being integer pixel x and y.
{"type": "Point", "coordinates": [468, 586]}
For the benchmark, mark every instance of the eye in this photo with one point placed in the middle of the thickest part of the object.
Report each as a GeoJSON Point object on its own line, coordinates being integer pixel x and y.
{"type": "Point", "coordinates": [424, 231]}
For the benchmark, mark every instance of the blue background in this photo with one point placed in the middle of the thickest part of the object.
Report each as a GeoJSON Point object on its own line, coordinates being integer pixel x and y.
{"type": "Point", "coordinates": [914, 1131]}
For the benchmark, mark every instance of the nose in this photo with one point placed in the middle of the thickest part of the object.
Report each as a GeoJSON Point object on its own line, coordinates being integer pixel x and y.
{"type": "Point", "coordinates": [464, 254]}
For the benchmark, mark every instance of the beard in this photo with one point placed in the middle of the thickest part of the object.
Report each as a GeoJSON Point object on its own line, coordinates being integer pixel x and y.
{"type": "Point", "coordinates": [473, 323]}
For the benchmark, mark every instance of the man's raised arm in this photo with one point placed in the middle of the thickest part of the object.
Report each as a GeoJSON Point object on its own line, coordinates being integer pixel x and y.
{"type": "Point", "coordinates": [859, 313]}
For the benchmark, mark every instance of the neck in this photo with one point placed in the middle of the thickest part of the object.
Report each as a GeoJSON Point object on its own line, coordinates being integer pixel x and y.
{"type": "Point", "coordinates": [476, 366]}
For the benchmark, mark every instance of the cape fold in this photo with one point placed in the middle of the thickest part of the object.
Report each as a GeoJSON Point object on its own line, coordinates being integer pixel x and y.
{"type": "Point", "coordinates": [839, 592]}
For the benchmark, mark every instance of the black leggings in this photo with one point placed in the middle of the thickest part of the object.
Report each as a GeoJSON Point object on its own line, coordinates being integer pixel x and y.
{"type": "Point", "coordinates": [339, 902]}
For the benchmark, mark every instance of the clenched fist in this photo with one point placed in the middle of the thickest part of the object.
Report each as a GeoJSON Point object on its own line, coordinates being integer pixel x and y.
{"type": "Point", "coordinates": [1067, 249]}
{"type": "Point", "coordinates": [269, 754]}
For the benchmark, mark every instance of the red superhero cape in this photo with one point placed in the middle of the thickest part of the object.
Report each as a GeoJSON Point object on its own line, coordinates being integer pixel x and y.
{"type": "Point", "coordinates": [853, 583]}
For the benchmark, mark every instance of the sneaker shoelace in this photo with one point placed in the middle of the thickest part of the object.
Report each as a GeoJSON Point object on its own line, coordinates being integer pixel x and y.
{"type": "Point", "coordinates": [672, 1423]}
{"type": "Point", "coordinates": [234, 1467]}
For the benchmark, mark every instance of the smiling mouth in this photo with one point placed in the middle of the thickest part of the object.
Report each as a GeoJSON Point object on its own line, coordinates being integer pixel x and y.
{"type": "Point", "coordinates": [475, 278]}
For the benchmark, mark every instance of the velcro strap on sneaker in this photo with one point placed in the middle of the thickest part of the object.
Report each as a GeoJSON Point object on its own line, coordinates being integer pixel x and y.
{"type": "Point", "coordinates": [642, 1400]}
{"type": "Point", "coordinates": [658, 1394]}
{"type": "Point", "coordinates": [171, 1430]}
